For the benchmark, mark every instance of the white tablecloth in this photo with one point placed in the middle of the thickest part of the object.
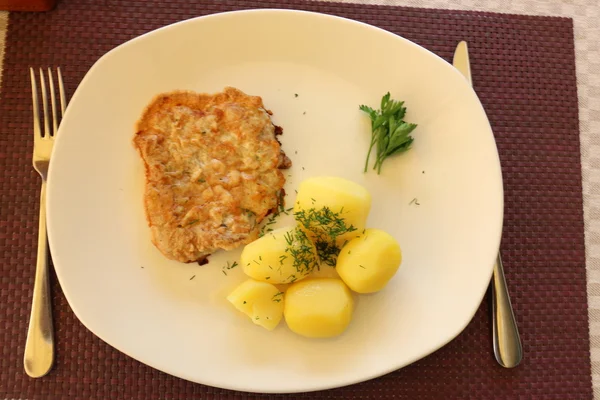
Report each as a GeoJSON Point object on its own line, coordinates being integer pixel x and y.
{"type": "Point", "coordinates": [586, 15]}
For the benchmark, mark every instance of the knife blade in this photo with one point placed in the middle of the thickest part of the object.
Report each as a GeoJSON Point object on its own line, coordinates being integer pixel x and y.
{"type": "Point", "coordinates": [507, 342]}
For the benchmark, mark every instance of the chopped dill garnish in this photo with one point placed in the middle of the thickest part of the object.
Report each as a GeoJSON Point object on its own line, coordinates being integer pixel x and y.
{"type": "Point", "coordinates": [361, 266]}
{"type": "Point", "coordinates": [300, 248]}
{"type": "Point", "coordinates": [289, 238]}
{"type": "Point", "coordinates": [192, 222]}
{"type": "Point", "coordinates": [277, 297]}
{"type": "Point", "coordinates": [229, 266]}
{"type": "Point", "coordinates": [327, 251]}
{"type": "Point", "coordinates": [192, 277]}
{"type": "Point", "coordinates": [249, 213]}
{"type": "Point", "coordinates": [325, 226]}
{"type": "Point", "coordinates": [267, 227]}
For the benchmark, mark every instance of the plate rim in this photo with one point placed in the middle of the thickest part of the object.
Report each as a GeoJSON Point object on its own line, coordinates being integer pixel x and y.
{"type": "Point", "coordinates": [233, 386]}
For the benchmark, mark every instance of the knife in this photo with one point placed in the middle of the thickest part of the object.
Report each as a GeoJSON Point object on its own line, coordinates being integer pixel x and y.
{"type": "Point", "coordinates": [507, 342]}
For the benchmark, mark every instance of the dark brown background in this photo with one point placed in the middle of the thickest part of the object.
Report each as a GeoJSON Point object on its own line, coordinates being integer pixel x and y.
{"type": "Point", "coordinates": [524, 73]}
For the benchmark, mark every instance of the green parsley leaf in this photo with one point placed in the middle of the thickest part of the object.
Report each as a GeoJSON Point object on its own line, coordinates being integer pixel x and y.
{"type": "Point", "coordinates": [390, 134]}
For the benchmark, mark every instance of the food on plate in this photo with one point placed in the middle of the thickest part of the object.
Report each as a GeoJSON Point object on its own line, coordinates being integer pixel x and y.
{"type": "Point", "coordinates": [283, 255]}
{"type": "Point", "coordinates": [331, 210]}
{"type": "Point", "coordinates": [368, 262]}
{"type": "Point", "coordinates": [318, 308]}
{"type": "Point", "coordinates": [212, 166]}
{"type": "Point", "coordinates": [330, 215]}
{"type": "Point", "coordinates": [326, 209]}
{"type": "Point", "coordinates": [389, 131]}
{"type": "Point", "coordinates": [260, 301]}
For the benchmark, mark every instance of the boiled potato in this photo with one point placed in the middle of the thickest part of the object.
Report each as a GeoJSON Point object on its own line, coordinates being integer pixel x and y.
{"type": "Point", "coordinates": [368, 262]}
{"type": "Point", "coordinates": [318, 308]}
{"type": "Point", "coordinates": [343, 198]}
{"type": "Point", "coordinates": [282, 256]}
{"type": "Point", "coordinates": [260, 301]}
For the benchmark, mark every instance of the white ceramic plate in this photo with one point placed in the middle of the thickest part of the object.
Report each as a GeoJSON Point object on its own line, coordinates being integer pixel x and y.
{"type": "Point", "coordinates": [127, 293]}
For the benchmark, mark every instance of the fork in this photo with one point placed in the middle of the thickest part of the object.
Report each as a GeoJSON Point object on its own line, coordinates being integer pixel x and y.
{"type": "Point", "coordinates": [39, 347]}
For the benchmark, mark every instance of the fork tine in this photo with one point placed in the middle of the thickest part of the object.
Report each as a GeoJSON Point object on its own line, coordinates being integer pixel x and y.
{"type": "Point", "coordinates": [61, 89]}
{"type": "Point", "coordinates": [45, 104]}
{"type": "Point", "coordinates": [37, 131]}
{"type": "Point", "coordinates": [52, 102]}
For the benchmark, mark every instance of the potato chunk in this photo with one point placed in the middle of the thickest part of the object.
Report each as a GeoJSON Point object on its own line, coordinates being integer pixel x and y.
{"type": "Point", "coordinates": [260, 301]}
{"type": "Point", "coordinates": [282, 256]}
{"type": "Point", "coordinates": [318, 308]}
{"type": "Point", "coordinates": [326, 208]}
{"type": "Point", "coordinates": [368, 262]}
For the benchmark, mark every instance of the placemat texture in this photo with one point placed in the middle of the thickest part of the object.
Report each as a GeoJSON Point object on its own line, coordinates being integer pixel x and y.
{"type": "Point", "coordinates": [524, 73]}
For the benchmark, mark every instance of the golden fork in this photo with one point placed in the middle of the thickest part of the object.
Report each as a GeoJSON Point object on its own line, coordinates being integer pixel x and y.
{"type": "Point", "coordinates": [39, 347]}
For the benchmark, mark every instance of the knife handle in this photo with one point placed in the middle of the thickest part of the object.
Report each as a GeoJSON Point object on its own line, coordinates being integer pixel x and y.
{"type": "Point", "coordinates": [507, 342]}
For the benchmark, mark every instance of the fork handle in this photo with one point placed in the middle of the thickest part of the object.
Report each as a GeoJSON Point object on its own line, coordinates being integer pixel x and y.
{"type": "Point", "coordinates": [39, 348]}
{"type": "Point", "coordinates": [507, 342]}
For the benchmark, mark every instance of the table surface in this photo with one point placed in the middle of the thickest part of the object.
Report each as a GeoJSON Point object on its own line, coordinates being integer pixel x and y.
{"type": "Point", "coordinates": [585, 14]}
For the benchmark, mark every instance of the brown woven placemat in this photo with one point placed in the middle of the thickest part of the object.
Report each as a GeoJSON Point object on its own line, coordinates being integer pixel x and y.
{"type": "Point", "coordinates": [524, 73]}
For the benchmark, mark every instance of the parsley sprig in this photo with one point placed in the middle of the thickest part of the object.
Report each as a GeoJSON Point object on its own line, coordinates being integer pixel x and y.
{"type": "Point", "coordinates": [388, 130]}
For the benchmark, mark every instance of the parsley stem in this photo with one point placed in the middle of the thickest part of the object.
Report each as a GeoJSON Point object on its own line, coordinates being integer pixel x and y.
{"type": "Point", "coordinates": [379, 163]}
{"type": "Point", "coordinates": [373, 140]}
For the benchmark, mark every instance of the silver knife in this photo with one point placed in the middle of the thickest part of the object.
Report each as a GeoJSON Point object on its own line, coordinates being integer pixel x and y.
{"type": "Point", "coordinates": [507, 342]}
